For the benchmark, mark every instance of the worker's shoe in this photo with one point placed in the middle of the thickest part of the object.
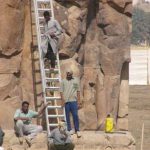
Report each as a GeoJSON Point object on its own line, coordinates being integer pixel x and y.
{"type": "Point", "coordinates": [78, 133]}
{"type": "Point", "coordinates": [21, 140]}
{"type": "Point", "coordinates": [28, 141]}
{"type": "Point", "coordinates": [71, 132]}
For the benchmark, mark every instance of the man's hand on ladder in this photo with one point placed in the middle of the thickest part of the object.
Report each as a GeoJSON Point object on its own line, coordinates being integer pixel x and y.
{"type": "Point", "coordinates": [48, 103]}
{"type": "Point", "coordinates": [45, 104]}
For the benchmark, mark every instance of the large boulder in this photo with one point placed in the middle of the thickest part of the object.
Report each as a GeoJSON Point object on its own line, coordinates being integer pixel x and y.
{"type": "Point", "coordinates": [90, 140]}
{"type": "Point", "coordinates": [107, 48]}
{"type": "Point", "coordinates": [74, 31]}
{"type": "Point", "coordinates": [15, 53]}
{"type": "Point", "coordinates": [11, 40]}
{"type": "Point", "coordinates": [70, 64]}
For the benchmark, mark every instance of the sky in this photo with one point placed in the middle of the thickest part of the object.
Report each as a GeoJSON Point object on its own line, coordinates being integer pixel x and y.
{"type": "Point", "coordinates": [136, 1]}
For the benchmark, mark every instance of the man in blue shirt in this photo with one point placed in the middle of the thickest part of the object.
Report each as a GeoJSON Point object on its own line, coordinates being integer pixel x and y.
{"type": "Point", "coordinates": [23, 124]}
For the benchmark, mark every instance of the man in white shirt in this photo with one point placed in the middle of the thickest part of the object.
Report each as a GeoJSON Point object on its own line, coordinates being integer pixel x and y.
{"type": "Point", "coordinates": [23, 122]}
{"type": "Point", "coordinates": [52, 34]}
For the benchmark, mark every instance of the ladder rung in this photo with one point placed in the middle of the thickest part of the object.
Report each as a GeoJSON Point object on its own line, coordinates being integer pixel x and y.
{"type": "Point", "coordinates": [41, 18]}
{"type": "Point", "coordinates": [56, 116]}
{"type": "Point", "coordinates": [53, 98]}
{"type": "Point", "coordinates": [53, 125]}
{"type": "Point", "coordinates": [55, 70]}
{"type": "Point", "coordinates": [41, 26]}
{"type": "Point", "coordinates": [44, 9]}
{"type": "Point", "coordinates": [54, 107]}
{"type": "Point", "coordinates": [52, 79]}
{"type": "Point", "coordinates": [43, 0]}
{"type": "Point", "coordinates": [53, 88]}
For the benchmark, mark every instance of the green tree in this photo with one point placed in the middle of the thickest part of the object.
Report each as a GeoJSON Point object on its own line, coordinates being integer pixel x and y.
{"type": "Point", "coordinates": [140, 26]}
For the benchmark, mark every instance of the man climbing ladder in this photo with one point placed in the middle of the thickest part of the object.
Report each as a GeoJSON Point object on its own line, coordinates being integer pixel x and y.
{"type": "Point", "coordinates": [52, 33]}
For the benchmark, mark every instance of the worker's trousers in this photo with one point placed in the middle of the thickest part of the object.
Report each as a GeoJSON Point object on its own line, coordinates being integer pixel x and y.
{"type": "Point", "coordinates": [30, 130]}
{"type": "Point", "coordinates": [72, 107]}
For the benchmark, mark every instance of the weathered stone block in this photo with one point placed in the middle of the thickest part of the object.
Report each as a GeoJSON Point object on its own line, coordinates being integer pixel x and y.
{"type": "Point", "coordinates": [122, 124]}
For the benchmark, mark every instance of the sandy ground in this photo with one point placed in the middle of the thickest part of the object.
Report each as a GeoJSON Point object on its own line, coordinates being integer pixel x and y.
{"type": "Point", "coordinates": [139, 113]}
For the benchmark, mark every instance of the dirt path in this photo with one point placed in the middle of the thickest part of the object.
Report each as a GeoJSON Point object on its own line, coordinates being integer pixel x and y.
{"type": "Point", "coordinates": [139, 112]}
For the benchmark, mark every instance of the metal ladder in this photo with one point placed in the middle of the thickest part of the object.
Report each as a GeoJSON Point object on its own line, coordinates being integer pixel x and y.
{"type": "Point", "coordinates": [50, 85]}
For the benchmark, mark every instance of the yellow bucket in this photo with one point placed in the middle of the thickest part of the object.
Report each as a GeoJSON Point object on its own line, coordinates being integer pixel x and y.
{"type": "Point", "coordinates": [109, 125]}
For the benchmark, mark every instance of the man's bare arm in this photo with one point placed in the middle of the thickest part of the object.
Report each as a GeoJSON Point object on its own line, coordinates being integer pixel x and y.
{"type": "Point", "coordinates": [78, 96]}
{"type": "Point", "coordinates": [43, 109]}
{"type": "Point", "coordinates": [78, 99]}
{"type": "Point", "coordinates": [62, 99]}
